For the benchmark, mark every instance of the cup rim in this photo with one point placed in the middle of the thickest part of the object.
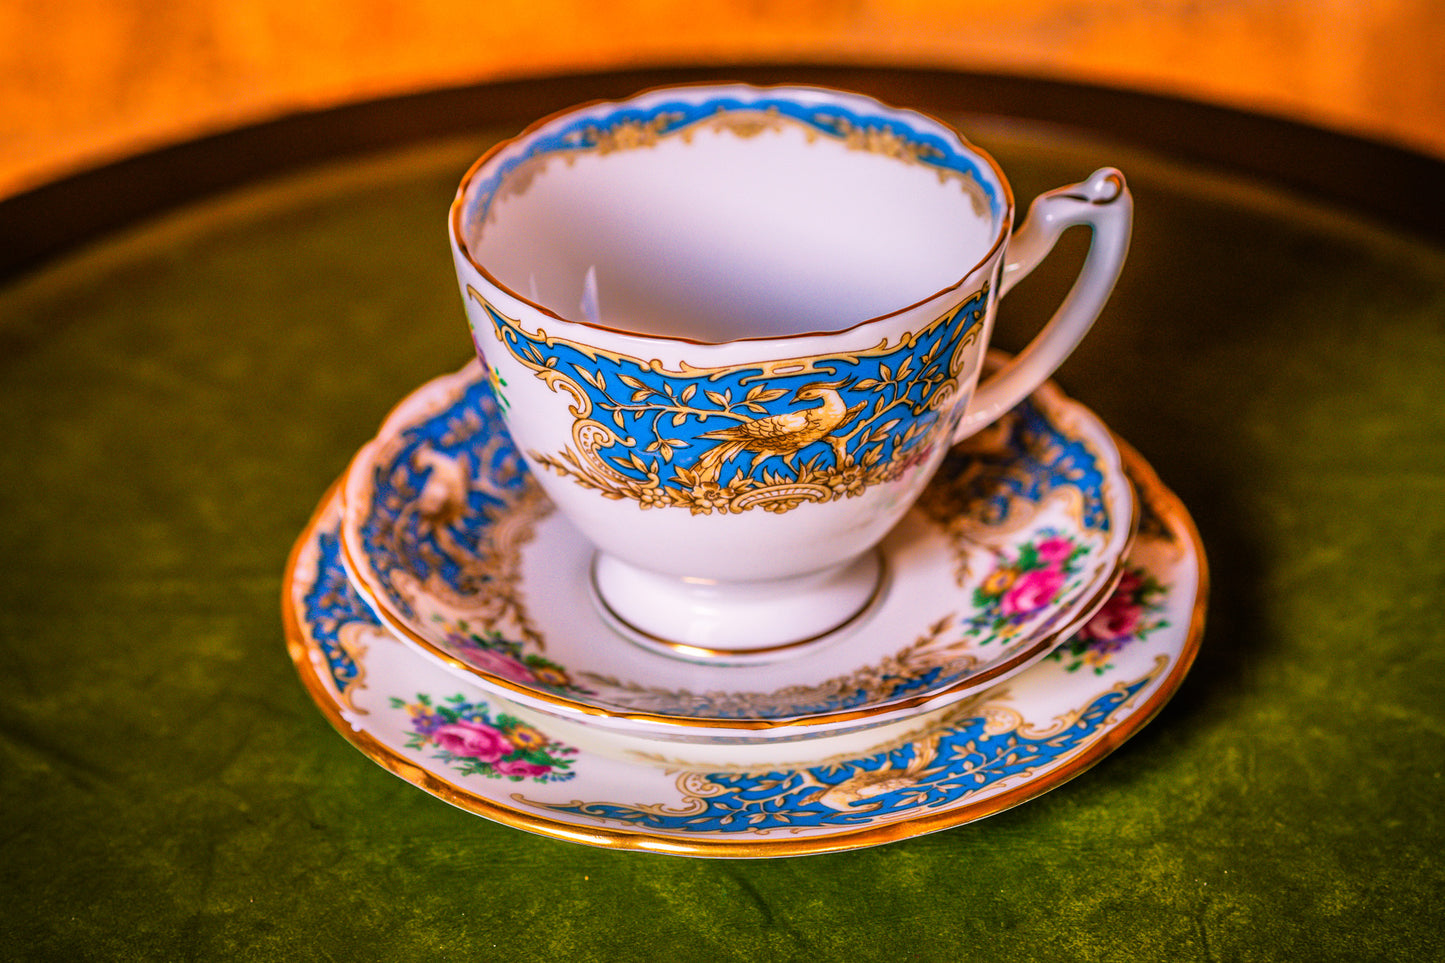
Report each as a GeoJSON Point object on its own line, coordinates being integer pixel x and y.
{"type": "Point", "coordinates": [459, 241]}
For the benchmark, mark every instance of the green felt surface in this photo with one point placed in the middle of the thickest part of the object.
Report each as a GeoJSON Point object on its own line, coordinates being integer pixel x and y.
{"type": "Point", "coordinates": [176, 401]}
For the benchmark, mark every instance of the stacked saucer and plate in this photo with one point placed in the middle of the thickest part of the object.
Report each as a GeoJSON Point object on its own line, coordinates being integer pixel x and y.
{"type": "Point", "coordinates": [765, 583]}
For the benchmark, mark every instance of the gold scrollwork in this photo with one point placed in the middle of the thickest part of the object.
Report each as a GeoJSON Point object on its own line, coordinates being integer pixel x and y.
{"type": "Point", "coordinates": [797, 430]}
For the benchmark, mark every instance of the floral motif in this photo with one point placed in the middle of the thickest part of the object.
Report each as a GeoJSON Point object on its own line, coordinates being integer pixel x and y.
{"type": "Point", "coordinates": [488, 650]}
{"type": "Point", "coordinates": [1130, 615]}
{"type": "Point", "coordinates": [469, 738]}
{"type": "Point", "coordinates": [1026, 586]}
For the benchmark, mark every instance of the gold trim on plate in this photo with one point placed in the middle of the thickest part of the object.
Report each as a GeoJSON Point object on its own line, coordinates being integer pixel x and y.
{"type": "Point", "coordinates": [1162, 501]}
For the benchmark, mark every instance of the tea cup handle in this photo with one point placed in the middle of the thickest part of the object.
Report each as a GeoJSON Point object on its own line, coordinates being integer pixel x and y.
{"type": "Point", "coordinates": [1104, 203]}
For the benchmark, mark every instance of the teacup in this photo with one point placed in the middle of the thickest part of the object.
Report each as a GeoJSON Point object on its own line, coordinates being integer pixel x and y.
{"type": "Point", "coordinates": [735, 329]}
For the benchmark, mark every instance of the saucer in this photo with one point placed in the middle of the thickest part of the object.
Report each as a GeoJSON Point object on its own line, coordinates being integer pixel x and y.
{"type": "Point", "coordinates": [482, 753]}
{"type": "Point", "coordinates": [451, 541]}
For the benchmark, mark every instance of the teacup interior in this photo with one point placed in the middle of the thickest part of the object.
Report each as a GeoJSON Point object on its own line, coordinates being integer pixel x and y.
{"type": "Point", "coordinates": [720, 234]}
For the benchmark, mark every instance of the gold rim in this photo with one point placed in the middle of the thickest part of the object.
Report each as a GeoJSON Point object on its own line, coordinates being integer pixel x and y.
{"type": "Point", "coordinates": [1018, 662]}
{"type": "Point", "coordinates": [703, 654]}
{"type": "Point", "coordinates": [1002, 231]}
{"type": "Point", "coordinates": [1161, 500]}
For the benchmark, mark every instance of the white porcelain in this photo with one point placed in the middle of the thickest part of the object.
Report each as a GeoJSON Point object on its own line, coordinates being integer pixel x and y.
{"type": "Point", "coordinates": [735, 330]}
{"type": "Point", "coordinates": [575, 781]}
{"type": "Point", "coordinates": [1019, 537]}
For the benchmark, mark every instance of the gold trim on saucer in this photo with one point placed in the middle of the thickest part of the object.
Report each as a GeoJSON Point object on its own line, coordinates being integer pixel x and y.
{"type": "Point", "coordinates": [781, 726]}
{"type": "Point", "coordinates": [1163, 503]}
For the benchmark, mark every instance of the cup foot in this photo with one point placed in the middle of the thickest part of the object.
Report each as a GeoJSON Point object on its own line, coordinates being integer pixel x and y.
{"type": "Point", "coordinates": [735, 623]}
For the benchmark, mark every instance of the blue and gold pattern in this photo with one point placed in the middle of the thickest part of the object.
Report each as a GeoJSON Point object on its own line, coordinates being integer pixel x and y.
{"type": "Point", "coordinates": [451, 506]}
{"type": "Point", "coordinates": [436, 504]}
{"type": "Point", "coordinates": [979, 747]}
{"type": "Point", "coordinates": [630, 128]}
{"type": "Point", "coordinates": [773, 435]}
{"type": "Point", "coordinates": [1017, 460]}
{"type": "Point", "coordinates": [334, 612]}
{"type": "Point", "coordinates": [951, 763]}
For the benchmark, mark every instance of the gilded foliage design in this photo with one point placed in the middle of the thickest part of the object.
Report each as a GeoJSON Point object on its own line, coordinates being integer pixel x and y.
{"type": "Point", "coordinates": [773, 435]}
{"type": "Point", "coordinates": [952, 762]}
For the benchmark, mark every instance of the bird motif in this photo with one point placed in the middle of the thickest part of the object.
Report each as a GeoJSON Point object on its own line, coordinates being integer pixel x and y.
{"type": "Point", "coordinates": [785, 434]}
{"type": "Point", "coordinates": [852, 794]}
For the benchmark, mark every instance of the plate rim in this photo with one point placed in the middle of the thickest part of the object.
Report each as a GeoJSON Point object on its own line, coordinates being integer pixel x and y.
{"type": "Point", "coordinates": [1166, 504]}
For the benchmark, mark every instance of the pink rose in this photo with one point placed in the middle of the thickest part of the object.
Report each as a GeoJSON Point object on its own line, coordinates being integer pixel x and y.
{"type": "Point", "coordinates": [498, 664]}
{"type": "Point", "coordinates": [1129, 583]}
{"type": "Point", "coordinates": [472, 739]}
{"type": "Point", "coordinates": [521, 768]}
{"type": "Point", "coordinates": [1032, 591]}
{"type": "Point", "coordinates": [1118, 619]}
{"type": "Point", "coordinates": [1055, 551]}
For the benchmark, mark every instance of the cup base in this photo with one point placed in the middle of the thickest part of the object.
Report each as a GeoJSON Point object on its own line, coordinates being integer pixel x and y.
{"type": "Point", "coordinates": [736, 623]}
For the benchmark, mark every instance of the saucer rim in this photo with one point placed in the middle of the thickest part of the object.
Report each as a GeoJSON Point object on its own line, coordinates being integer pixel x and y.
{"type": "Point", "coordinates": [1163, 501]}
{"type": "Point", "coordinates": [781, 727]}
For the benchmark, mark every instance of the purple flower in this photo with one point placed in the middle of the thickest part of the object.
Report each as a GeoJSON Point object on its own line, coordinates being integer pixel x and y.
{"type": "Point", "coordinates": [426, 722]}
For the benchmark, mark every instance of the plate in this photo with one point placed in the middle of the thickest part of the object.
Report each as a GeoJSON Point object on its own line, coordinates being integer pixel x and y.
{"type": "Point", "coordinates": [461, 742]}
{"type": "Point", "coordinates": [1016, 541]}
